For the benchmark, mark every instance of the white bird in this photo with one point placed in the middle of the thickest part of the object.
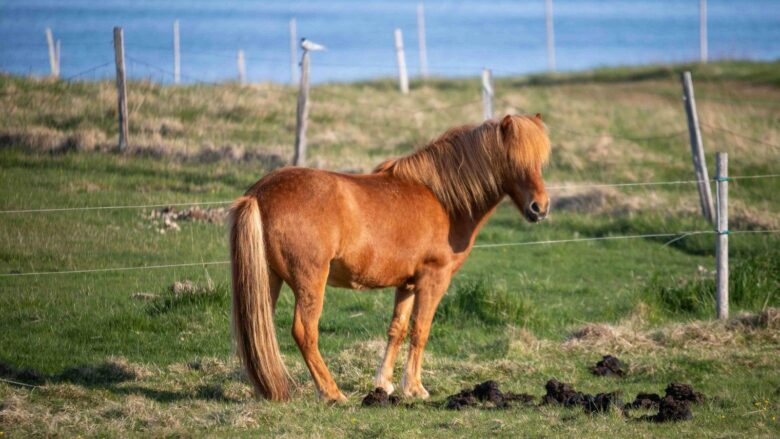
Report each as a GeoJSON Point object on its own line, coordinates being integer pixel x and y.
{"type": "Point", "coordinates": [310, 45]}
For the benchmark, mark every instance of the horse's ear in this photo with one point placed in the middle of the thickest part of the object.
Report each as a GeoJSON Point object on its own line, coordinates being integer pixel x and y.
{"type": "Point", "coordinates": [508, 127]}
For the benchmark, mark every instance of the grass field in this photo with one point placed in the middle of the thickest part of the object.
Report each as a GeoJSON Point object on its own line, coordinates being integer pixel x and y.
{"type": "Point", "coordinates": [120, 353]}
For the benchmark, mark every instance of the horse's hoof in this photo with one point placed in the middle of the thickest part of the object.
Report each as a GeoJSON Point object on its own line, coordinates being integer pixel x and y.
{"type": "Point", "coordinates": [333, 399]}
{"type": "Point", "coordinates": [385, 385]}
{"type": "Point", "coordinates": [416, 392]}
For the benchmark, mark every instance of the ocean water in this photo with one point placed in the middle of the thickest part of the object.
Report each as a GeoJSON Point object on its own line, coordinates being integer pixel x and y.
{"type": "Point", "coordinates": [462, 36]}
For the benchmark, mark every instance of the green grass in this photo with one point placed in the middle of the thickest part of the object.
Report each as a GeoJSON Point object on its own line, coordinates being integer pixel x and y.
{"type": "Point", "coordinates": [120, 363]}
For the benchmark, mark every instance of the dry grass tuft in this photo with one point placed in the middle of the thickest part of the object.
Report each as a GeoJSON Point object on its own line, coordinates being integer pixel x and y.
{"type": "Point", "coordinates": [523, 341]}
{"type": "Point", "coordinates": [211, 366]}
{"type": "Point", "coordinates": [711, 334]}
{"type": "Point", "coordinates": [696, 334]}
{"type": "Point", "coordinates": [617, 338]}
{"type": "Point", "coordinates": [17, 410]}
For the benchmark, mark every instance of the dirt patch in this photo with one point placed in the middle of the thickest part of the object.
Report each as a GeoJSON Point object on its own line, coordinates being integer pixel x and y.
{"type": "Point", "coordinates": [608, 366]}
{"type": "Point", "coordinates": [487, 395]}
{"type": "Point", "coordinates": [168, 218]}
{"type": "Point", "coordinates": [379, 398]}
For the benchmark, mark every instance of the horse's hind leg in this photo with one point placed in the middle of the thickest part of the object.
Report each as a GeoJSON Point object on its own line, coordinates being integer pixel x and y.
{"type": "Point", "coordinates": [404, 299]}
{"type": "Point", "coordinates": [309, 298]}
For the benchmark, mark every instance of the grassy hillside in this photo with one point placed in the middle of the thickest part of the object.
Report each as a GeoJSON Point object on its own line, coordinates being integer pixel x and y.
{"type": "Point", "coordinates": [124, 352]}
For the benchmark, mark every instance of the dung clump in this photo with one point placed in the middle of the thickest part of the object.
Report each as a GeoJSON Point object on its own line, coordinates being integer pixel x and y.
{"type": "Point", "coordinates": [674, 406]}
{"type": "Point", "coordinates": [379, 398]}
{"type": "Point", "coordinates": [565, 395]}
{"type": "Point", "coordinates": [561, 393]}
{"type": "Point", "coordinates": [608, 366]}
{"type": "Point", "coordinates": [488, 394]}
{"type": "Point", "coordinates": [684, 392]}
{"type": "Point", "coordinates": [602, 402]}
{"type": "Point", "coordinates": [464, 398]}
{"type": "Point", "coordinates": [488, 391]}
{"type": "Point", "coordinates": [671, 410]}
{"type": "Point", "coordinates": [645, 401]}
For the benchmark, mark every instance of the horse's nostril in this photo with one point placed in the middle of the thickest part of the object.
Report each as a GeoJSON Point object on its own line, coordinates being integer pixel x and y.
{"type": "Point", "coordinates": [535, 207]}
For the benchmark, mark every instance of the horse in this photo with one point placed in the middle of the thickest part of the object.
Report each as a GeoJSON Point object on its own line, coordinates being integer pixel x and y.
{"type": "Point", "coordinates": [410, 224]}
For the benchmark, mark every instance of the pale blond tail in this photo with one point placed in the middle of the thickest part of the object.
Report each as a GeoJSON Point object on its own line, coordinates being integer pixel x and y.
{"type": "Point", "coordinates": [253, 325]}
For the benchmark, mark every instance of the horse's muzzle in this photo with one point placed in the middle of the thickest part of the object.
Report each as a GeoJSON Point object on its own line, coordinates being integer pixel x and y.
{"type": "Point", "coordinates": [534, 213]}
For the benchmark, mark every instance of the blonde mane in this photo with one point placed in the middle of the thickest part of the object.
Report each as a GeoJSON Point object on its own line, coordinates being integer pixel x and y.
{"type": "Point", "coordinates": [467, 166]}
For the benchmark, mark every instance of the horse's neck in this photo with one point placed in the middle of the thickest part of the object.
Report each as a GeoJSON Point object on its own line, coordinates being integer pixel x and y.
{"type": "Point", "coordinates": [464, 228]}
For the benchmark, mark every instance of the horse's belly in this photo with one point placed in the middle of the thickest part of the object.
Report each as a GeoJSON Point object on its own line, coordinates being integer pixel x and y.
{"type": "Point", "coordinates": [356, 277]}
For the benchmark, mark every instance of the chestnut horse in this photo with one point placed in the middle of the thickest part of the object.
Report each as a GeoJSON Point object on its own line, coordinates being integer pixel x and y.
{"type": "Point", "coordinates": [409, 225]}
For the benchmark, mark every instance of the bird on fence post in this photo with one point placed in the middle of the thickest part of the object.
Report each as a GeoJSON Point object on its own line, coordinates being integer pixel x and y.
{"type": "Point", "coordinates": [311, 45]}
{"type": "Point", "coordinates": [302, 113]}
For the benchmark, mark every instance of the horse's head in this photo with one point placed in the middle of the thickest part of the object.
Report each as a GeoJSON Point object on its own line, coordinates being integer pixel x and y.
{"type": "Point", "coordinates": [528, 149]}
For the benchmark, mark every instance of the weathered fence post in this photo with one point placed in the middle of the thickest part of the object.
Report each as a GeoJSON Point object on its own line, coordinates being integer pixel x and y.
{"type": "Point", "coordinates": [487, 93]}
{"type": "Point", "coordinates": [176, 54]}
{"type": "Point", "coordinates": [703, 30]}
{"type": "Point", "coordinates": [722, 244]}
{"type": "Point", "coordinates": [302, 113]}
{"type": "Point", "coordinates": [241, 63]}
{"type": "Point", "coordinates": [548, 18]}
{"type": "Point", "coordinates": [55, 68]}
{"type": "Point", "coordinates": [697, 148]}
{"type": "Point", "coordinates": [293, 49]}
{"type": "Point", "coordinates": [403, 79]}
{"type": "Point", "coordinates": [121, 88]}
{"type": "Point", "coordinates": [57, 48]}
{"type": "Point", "coordinates": [421, 40]}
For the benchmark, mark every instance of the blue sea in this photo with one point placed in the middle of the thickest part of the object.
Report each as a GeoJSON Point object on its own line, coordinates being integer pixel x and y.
{"type": "Point", "coordinates": [462, 36]}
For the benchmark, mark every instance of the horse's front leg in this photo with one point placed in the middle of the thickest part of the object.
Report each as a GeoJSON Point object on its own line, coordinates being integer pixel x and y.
{"type": "Point", "coordinates": [404, 299]}
{"type": "Point", "coordinates": [429, 289]}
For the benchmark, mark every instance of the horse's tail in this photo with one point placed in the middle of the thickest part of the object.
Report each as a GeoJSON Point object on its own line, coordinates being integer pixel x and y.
{"type": "Point", "coordinates": [253, 326]}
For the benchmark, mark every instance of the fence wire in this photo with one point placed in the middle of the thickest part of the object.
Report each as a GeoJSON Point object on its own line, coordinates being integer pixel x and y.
{"type": "Point", "coordinates": [223, 202]}
{"type": "Point", "coordinates": [675, 237]}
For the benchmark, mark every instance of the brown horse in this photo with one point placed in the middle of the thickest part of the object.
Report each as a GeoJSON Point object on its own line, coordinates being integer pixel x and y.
{"type": "Point", "coordinates": [410, 225]}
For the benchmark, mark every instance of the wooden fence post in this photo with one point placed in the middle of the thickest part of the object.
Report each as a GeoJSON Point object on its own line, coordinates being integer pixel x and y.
{"type": "Point", "coordinates": [241, 63]}
{"type": "Point", "coordinates": [55, 68]}
{"type": "Point", "coordinates": [176, 54]}
{"type": "Point", "coordinates": [703, 30]}
{"type": "Point", "coordinates": [121, 87]}
{"type": "Point", "coordinates": [487, 93]}
{"type": "Point", "coordinates": [722, 243]}
{"type": "Point", "coordinates": [697, 148]}
{"type": "Point", "coordinates": [403, 79]}
{"type": "Point", "coordinates": [421, 40]}
{"type": "Point", "coordinates": [548, 18]}
{"type": "Point", "coordinates": [57, 48]}
{"type": "Point", "coordinates": [302, 113]}
{"type": "Point", "coordinates": [293, 49]}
